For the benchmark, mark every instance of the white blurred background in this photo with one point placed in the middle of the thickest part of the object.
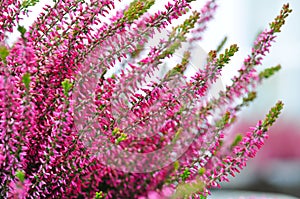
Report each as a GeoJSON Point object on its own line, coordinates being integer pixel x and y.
{"type": "Point", "coordinates": [277, 166]}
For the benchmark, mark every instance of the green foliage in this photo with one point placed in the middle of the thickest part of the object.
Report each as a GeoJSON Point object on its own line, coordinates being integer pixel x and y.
{"type": "Point", "coordinates": [187, 189]}
{"type": "Point", "coordinates": [225, 58]}
{"type": "Point", "coordinates": [20, 175]}
{"type": "Point", "coordinates": [116, 131]}
{"type": "Point", "coordinates": [186, 173]}
{"type": "Point", "coordinates": [203, 197]}
{"type": "Point", "coordinates": [280, 19]}
{"type": "Point", "coordinates": [137, 8]}
{"type": "Point", "coordinates": [237, 140]}
{"type": "Point", "coordinates": [201, 171]}
{"type": "Point", "coordinates": [99, 195]}
{"type": "Point", "coordinates": [269, 72]}
{"type": "Point", "coordinates": [222, 44]}
{"type": "Point", "coordinates": [119, 135]}
{"type": "Point", "coordinates": [176, 165]}
{"type": "Point", "coordinates": [179, 68]}
{"type": "Point", "coordinates": [251, 96]}
{"type": "Point", "coordinates": [272, 116]}
{"type": "Point", "coordinates": [177, 135]}
{"type": "Point", "coordinates": [121, 138]}
{"type": "Point", "coordinates": [211, 55]}
{"type": "Point", "coordinates": [3, 53]}
{"type": "Point", "coordinates": [22, 31]}
{"type": "Point", "coordinates": [223, 121]}
{"type": "Point", "coordinates": [67, 85]}
{"type": "Point", "coordinates": [177, 36]}
{"type": "Point", "coordinates": [28, 3]}
{"type": "Point", "coordinates": [26, 80]}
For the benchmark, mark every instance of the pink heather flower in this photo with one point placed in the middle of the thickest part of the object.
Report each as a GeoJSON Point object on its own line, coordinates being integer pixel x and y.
{"type": "Point", "coordinates": [153, 195]}
{"type": "Point", "coordinates": [10, 11]}
{"type": "Point", "coordinates": [207, 14]}
{"type": "Point", "coordinates": [59, 108]}
{"type": "Point", "coordinates": [19, 190]}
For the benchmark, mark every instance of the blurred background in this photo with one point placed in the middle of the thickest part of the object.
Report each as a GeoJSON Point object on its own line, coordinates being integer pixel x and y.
{"type": "Point", "coordinates": [277, 166]}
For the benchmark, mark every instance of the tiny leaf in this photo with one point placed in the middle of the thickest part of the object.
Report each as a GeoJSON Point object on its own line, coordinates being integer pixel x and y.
{"type": "Point", "coordinates": [22, 31]}
{"type": "Point", "coordinates": [20, 175]}
{"type": "Point", "coordinates": [66, 84]}
{"type": "Point", "coordinates": [237, 140]}
{"type": "Point", "coordinates": [221, 45]}
{"type": "Point", "coordinates": [26, 80]}
{"type": "Point", "coordinates": [3, 53]}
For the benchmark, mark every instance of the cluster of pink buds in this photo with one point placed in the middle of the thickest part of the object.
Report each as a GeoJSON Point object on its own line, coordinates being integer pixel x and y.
{"type": "Point", "coordinates": [84, 113]}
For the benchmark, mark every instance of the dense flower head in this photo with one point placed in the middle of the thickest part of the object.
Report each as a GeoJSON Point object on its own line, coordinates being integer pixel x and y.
{"type": "Point", "coordinates": [84, 113]}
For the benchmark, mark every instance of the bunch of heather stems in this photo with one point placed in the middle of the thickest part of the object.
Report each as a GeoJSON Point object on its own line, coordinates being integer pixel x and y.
{"type": "Point", "coordinates": [52, 147]}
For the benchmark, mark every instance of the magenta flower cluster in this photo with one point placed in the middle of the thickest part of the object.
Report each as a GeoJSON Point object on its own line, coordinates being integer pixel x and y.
{"type": "Point", "coordinates": [71, 129]}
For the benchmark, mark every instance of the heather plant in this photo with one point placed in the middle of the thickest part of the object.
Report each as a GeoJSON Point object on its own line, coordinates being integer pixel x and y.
{"type": "Point", "coordinates": [85, 115]}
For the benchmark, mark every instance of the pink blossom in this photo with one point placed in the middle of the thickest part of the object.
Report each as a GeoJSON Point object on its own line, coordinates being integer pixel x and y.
{"type": "Point", "coordinates": [76, 131]}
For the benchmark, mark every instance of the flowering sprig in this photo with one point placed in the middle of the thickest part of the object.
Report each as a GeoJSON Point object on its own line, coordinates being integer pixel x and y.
{"type": "Point", "coordinates": [68, 130]}
{"type": "Point", "coordinates": [207, 12]}
{"type": "Point", "coordinates": [246, 147]}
